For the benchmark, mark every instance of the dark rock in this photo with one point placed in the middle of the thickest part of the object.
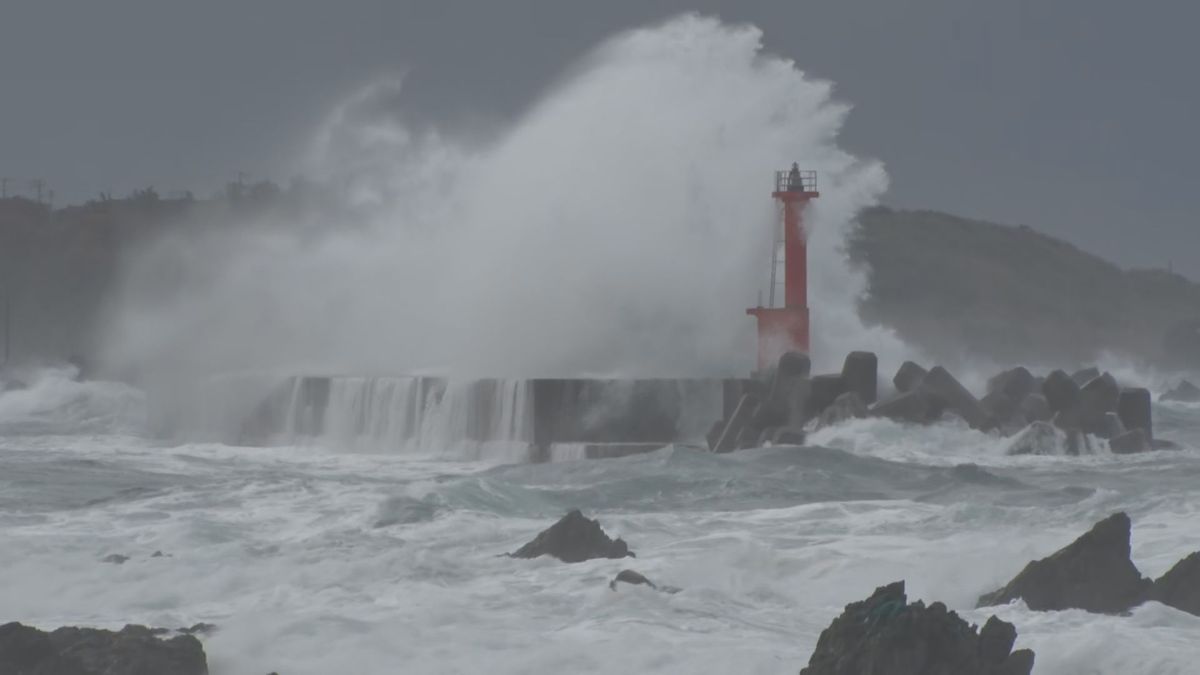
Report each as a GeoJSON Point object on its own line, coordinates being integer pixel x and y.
{"type": "Point", "coordinates": [942, 384]}
{"type": "Point", "coordinates": [573, 539]}
{"type": "Point", "coordinates": [636, 578]}
{"type": "Point", "coordinates": [1078, 443]}
{"type": "Point", "coordinates": [1110, 426]}
{"type": "Point", "coordinates": [860, 374]}
{"type": "Point", "coordinates": [823, 391]}
{"type": "Point", "coordinates": [1019, 662]}
{"type": "Point", "coordinates": [1099, 396]}
{"type": "Point", "coordinates": [885, 635]}
{"type": "Point", "coordinates": [1001, 407]}
{"type": "Point", "coordinates": [846, 407]}
{"type": "Point", "coordinates": [1085, 375]}
{"type": "Point", "coordinates": [1060, 391]}
{"type": "Point", "coordinates": [787, 436]}
{"type": "Point", "coordinates": [794, 364]}
{"type": "Point", "coordinates": [996, 640]}
{"type": "Point", "coordinates": [1180, 586]}
{"type": "Point", "coordinates": [134, 650]}
{"type": "Point", "coordinates": [1186, 392]}
{"type": "Point", "coordinates": [909, 376]}
{"type": "Point", "coordinates": [737, 421]}
{"type": "Point", "coordinates": [915, 407]}
{"type": "Point", "coordinates": [115, 558]}
{"type": "Point", "coordinates": [1035, 408]}
{"type": "Point", "coordinates": [1133, 407]}
{"type": "Point", "coordinates": [630, 577]}
{"type": "Point", "coordinates": [1093, 573]}
{"type": "Point", "coordinates": [1016, 383]}
{"type": "Point", "coordinates": [1130, 442]}
{"type": "Point", "coordinates": [1039, 438]}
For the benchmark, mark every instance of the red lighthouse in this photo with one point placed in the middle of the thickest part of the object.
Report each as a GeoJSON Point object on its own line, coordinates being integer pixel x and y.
{"type": "Point", "coordinates": [784, 329]}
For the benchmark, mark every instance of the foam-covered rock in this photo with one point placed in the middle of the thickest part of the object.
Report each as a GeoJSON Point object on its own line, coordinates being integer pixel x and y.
{"type": "Point", "coordinates": [1130, 442]}
{"type": "Point", "coordinates": [634, 578]}
{"type": "Point", "coordinates": [1093, 573]}
{"type": "Point", "coordinates": [572, 539]}
{"type": "Point", "coordinates": [1039, 438]}
{"type": "Point", "coordinates": [787, 436]}
{"type": "Point", "coordinates": [914, 406]}
{"type": "Point", "coordinates": [846, 407]}
{"type": "Point", "coordinates": [886, 635]}
{"type": "Point", "coordinates": [133, 650]}
{"type": "Point", "coordinates": [1035, 408]}
{"type": "Point", "coordinates": [823, 391]}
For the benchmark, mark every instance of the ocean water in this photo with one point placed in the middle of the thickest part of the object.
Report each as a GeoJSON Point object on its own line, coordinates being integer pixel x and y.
{"type": "Point", "coordinates": [315, 558]}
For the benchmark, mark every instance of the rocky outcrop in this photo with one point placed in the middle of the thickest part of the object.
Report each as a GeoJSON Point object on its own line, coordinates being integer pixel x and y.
{"type": "Point", "coordinates": [886, 635]}
{"type": "Point", "coordinates": [1130, 442]}
{"type": "Point", "coordinates": [133, 650]}
{"type": "Point", "coordinates": [1180, 586]}
{"type": "Point", "coordinates": [1093, 573]}
{"type": "Point", "coordinates": [1184, 392]}
{"type": "Point", "coordinates": [634, 578]}
{"type": "Point", "coordinates": [572, 539]}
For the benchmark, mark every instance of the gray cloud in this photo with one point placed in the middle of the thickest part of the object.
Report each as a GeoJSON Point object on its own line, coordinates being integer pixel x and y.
{"type": "Point", "coordinates": [1073, 117]}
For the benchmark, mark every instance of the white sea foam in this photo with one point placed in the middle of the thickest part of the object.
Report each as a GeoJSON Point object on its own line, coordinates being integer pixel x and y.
{"type": "Point", "coordinates": [620, 226]}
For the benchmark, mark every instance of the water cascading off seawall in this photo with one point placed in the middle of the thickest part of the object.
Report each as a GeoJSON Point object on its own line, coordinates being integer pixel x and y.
{"type": "Point", "coordinates": [411, 414]}
{"type": "Point", "coordinates": [511, 419]}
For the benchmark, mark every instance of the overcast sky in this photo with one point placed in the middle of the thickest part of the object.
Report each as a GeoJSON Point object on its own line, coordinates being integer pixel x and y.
{"type": "Point", "coordinates": [1076, 117]}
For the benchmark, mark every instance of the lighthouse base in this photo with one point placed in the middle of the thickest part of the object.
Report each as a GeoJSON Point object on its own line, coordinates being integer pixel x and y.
{"type": "Point", "coordinates": [780, 330]}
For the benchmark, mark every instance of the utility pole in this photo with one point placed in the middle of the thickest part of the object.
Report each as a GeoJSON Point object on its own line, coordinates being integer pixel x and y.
{"type": "Point", "coordinates": [38, 184]}
{"type": "Point", "coordinates": [4, 187]}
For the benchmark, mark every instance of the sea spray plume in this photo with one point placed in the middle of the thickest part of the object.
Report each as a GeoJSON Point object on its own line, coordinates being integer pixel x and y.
{"type": "Point", "coordinates": [621, 226]}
